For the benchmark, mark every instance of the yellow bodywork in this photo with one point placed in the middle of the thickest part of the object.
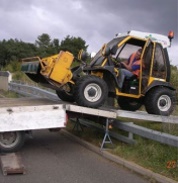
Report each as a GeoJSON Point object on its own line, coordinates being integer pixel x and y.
{"type": "Point", "coordinates": [57, 67]}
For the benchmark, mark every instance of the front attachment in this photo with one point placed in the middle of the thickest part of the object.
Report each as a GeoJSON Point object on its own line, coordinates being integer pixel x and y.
{"type": "Point", "coordinates": [54, 70]}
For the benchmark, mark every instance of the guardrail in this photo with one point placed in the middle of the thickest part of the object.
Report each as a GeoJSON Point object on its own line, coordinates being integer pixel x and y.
{"type": "Point", "coordinates": [32, 91]}
{"type": "Point", "coordinates": [131, 128]}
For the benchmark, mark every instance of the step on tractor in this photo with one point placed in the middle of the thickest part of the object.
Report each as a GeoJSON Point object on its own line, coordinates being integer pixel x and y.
{"type": "Point", "coordinates": [91, 84]}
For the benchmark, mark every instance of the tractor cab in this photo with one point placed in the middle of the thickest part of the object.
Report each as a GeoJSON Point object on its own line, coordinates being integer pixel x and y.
{"type": "Point", "coordinates": [150, 87]}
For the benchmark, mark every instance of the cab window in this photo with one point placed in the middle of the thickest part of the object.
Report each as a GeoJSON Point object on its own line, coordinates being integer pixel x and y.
{"type": "Point", "coordinates": [129, 47]}
{"type": "Point", "coordinates": [159, 66]}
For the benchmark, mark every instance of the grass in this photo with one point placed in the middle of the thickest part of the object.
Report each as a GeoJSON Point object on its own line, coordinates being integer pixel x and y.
{"type": "Point", "coordinates": [8, 94]}
{"type": "Point", "coordinates": [151, 155]}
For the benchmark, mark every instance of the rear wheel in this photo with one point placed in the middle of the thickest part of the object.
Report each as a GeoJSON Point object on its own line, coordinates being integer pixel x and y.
{"type": "Point", "coordinates": [129, 104]}
{"type": "Point", "coordinates": [90, 91]}
{"type": "Point", "coordinates": [11, 141]}
{"type": "Point", "coordinates": [160, 101]}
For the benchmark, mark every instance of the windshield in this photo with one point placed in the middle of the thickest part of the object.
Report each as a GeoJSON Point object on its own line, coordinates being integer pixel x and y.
{"type": "Point", "coordinates": [113, 45]}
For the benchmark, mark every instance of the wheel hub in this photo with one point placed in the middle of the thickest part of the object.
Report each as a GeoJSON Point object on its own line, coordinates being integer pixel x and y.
{"type": "Point", "coordinates": [91, 92]}
{"type": "Point", "coordinates": [7, 138]}
{"type": "Point", "coordinates": [162, 103]}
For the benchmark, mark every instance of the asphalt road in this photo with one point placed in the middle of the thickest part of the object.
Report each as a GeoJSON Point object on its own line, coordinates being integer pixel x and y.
{"type": "Point", "coordinates": [53, 158]}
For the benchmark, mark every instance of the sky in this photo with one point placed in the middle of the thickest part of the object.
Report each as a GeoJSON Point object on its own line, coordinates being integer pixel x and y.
{"type": "Point", "coordinates": [95, 21]}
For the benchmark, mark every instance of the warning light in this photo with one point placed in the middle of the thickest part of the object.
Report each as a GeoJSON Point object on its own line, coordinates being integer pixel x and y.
{"type": "Point", "coordinates": [170, 36]}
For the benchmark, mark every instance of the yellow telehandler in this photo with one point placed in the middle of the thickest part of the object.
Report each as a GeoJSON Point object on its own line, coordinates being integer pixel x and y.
{"type": "Point", "coordinates": [90, 84]}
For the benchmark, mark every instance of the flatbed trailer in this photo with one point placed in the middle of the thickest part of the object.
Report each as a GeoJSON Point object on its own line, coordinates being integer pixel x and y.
{"type": "Point", "coordinates": [20, 116]}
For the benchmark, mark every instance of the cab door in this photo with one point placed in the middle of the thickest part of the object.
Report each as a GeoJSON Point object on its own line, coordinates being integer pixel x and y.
{"type": "Point", "coordinates": [147, 63]}
{"type": "Point", "coordinates": [127, 48]}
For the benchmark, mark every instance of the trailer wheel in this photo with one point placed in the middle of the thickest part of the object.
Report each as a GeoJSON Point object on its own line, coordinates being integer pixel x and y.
{"type": "Point", "coordinates": [66, 93]}
{"type": "Point", "coordinates": [90, 91]}
{"type": "Point", "coordinates": [160, 101]}
{"type": "Point", "coordinates": [129, 104]}
{"type": "Point", "coordinates": [11, 141]}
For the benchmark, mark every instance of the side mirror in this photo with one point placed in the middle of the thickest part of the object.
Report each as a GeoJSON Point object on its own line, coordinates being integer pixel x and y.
{"type": "Point", "coordinates": [105, 50]}
{"type": "Point", "coordinates": [82, 55]}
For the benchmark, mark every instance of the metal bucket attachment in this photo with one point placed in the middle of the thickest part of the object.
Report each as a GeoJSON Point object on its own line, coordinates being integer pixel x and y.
{"type": "Point", "coordinates": [30, 65]}
{"type": "Point", "coordinates": [54, 70]}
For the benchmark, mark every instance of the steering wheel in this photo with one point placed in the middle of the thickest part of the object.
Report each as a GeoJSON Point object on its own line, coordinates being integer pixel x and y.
{"type": "Point", "coordinates": [122, 66]}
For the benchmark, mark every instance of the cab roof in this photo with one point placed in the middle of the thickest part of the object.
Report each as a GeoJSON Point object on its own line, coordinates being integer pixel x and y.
{"type": "Point", "coordinates": [162, 39]}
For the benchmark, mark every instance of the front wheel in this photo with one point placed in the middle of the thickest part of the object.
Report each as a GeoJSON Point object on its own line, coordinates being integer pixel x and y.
{"type": "Point", "coordinates": [160, 101]}
{"type": "Point", "coordinates": [90, 91]}
{"type": "Point", "coordinates": [11, 141]}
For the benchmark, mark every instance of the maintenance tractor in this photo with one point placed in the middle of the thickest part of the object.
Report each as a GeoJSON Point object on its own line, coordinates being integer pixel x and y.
{"type": "Point", "coordinates": [91, 84]}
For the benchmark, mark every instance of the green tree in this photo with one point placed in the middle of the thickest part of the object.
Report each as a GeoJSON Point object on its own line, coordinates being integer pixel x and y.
{"type": "Point", "coordinates": [73, 45]}
{"type": "Point", "coordinates": [43, 41]}
{"type": "Point", "coordinates": [174, 78]}
{"type": "Point", "coordinates": [15, 50]}
{"type": "Point", "coordinates": [55, 46]}
{"type": "Point", "coordinates": [3, 54]}
{"type": "Point", "coordinates": [45, 46]}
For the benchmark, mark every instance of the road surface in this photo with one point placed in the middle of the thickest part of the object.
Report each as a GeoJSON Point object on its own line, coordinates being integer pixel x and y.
{"type": "Point", "coordinates": [53, 158]}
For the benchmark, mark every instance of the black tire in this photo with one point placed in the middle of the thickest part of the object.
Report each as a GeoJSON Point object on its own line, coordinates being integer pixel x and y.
{"type": "Point", "coordinates": [66, 95]}
{"type": "Point", "coordinates": [129, 104]}
{"type": "Point", "coordinates": [11, 141]}
{"type": "Point", "coordinates": [160, 101]}
{"type": "Point", "coordinates": [90, 91]}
